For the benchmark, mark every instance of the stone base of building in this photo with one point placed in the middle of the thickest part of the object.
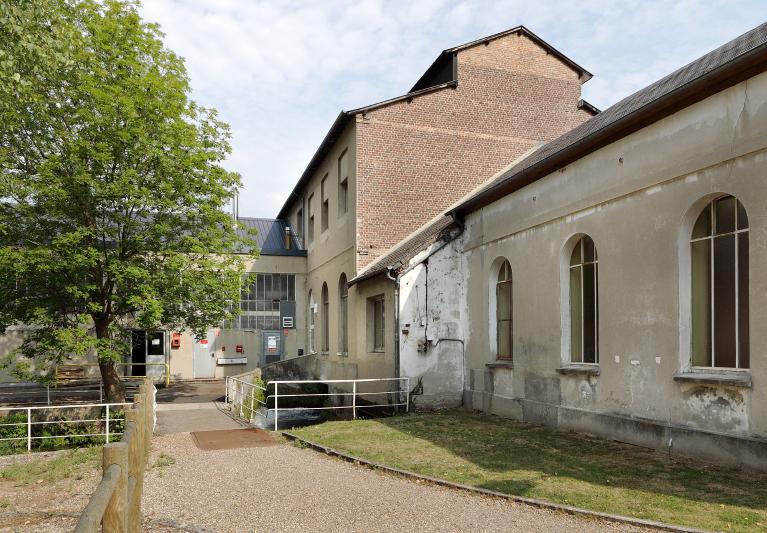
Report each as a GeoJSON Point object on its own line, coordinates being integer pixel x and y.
{"type": "Point", "coordinates": [727, 450]}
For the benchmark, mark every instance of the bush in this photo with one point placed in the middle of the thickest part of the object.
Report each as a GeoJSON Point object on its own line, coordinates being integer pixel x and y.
{"type": "Point", "coordinates": [63, 433]}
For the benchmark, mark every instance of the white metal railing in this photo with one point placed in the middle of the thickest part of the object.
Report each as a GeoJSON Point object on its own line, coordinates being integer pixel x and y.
{"type": "Point", "coordinates": [36, 393]}
{"type": "Point", "coordinates": [243, 394]}
{"type": "Point", "coordinates": [29, 422]}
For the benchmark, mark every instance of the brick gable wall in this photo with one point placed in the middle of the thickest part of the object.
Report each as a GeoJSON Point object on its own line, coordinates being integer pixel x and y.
{"type": "Point", "coordinates": [416, 158]}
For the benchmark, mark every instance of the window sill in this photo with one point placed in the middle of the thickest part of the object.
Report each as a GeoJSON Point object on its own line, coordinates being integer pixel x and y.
{"type": "Point", "coordinates": [342, 354]}
{"type": "Point", "coordinates": [576, 369]}
{"type": "Point", "coordinates": [377, 351]}
{"type": "Point", "coordinates": [733, 379]}
{"type": "Point", "coordinates": [500, 364]}
{"type": "Point", "coordinates": [323, 353]}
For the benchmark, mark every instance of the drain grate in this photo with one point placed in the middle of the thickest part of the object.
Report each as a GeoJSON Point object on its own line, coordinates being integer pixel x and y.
{"type": "Point", "coordinates": [227, 439]}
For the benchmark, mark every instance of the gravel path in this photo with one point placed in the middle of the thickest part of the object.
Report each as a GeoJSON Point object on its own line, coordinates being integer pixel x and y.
{"type": "Point", "coordinates": [283, 488]}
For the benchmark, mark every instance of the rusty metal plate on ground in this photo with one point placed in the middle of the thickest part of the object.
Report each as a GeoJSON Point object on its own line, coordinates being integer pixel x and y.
{"type": "Point", "coordinates": [227, 439]}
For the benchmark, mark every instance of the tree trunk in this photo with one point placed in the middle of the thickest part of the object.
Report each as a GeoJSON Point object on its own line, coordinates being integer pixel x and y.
{"type": "Point", "coordinates": [113, 385]}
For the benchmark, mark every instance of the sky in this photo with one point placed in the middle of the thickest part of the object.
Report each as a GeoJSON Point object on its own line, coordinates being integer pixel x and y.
{"type": "Point", "coordinates": [279, 72]}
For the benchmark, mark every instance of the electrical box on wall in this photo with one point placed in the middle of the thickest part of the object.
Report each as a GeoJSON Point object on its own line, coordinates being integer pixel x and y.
{"type": "Point", "coordinates": [239, 349]}
{"type": "Point", "coordinates": [175, 340]}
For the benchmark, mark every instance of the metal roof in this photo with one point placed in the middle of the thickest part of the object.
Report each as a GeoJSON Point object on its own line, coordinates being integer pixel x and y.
{"type": "Point", "coordinates": [739, 59]}
{"type": "Point", "coordinates": [271, 235]}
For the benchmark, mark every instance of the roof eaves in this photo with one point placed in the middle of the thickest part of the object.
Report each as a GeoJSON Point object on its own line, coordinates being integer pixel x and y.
{"type": "Point", "coordinates": [583, 104]}
{"type": "Point", "coordinates": [330, 137]}
{"type": "Point", "coordinates": [585, 75]}
{"type": "Point", "coordinates": [409, 97]}
{"type": "Point", "coordinates": [748, 64]}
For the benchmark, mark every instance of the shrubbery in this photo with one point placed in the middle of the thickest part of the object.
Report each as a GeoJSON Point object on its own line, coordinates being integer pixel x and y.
{"type": "Point", "coordinates": [58, 434]}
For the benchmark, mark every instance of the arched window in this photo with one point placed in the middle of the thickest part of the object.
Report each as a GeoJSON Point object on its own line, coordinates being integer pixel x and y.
{"type": "Point", "coordinates": [343, 327]}
{"type": "Point", "coordinates": [325, 318]}
{"type": "Point", "coordinates": [584, 309]}
{"type": "Point", "coordinates": [504, 311]}
{"type": "Point", "coordinates": [312, 310]}
{"type": "Point", "coordinates": [719, 249]}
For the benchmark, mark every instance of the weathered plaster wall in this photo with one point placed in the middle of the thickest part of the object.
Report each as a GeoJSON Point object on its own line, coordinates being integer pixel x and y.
{"type": "Point", "coordinates": [433, 332]}
{"type": "Point", "coordinates": [637, 199]}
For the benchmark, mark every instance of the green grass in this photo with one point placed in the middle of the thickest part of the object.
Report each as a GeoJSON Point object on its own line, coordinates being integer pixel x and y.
{"type": "Point", "coordinates": [69, 464]}
{"type": "Point", "coordinates": [513, 458]}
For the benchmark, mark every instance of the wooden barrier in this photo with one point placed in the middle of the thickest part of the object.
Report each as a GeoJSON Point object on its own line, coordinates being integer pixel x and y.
{"type": "Point", "coordinates": [116, 504]}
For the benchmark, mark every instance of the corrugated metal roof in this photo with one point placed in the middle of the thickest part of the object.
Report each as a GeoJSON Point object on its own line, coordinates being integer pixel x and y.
{"type": "Point", "coordinates": [271, 235]}
{"type": "Point", "coordinates": [740, 58]}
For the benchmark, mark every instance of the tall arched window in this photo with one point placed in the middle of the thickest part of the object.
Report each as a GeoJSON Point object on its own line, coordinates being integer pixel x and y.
{"type": "Point", "coordinates": [584, 309]}
{"type": "Point", "coordinates": [343, 327]}
{"type": "Point", "coordinates": [312, 309]}
{"type": "Point", "coordinates": [719, 249]}
{"type": "Point", "coordinates": [504, 311]}
{"type": "Point", "coordinates": [325, 318]}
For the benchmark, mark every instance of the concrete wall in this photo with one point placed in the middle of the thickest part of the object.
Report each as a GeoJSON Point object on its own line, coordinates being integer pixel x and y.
{"type": "Point", "coordinates": [222, 342]}
{"type": "Point", "coordinates": [637, 198]}
{"type": "Point", "coordinates": [432, 325]}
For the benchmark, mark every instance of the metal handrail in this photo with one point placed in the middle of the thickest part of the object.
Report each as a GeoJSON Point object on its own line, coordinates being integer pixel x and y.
{"type": "Point", "coordinates": [165, 365]}
{"type": "Point", "coordinates": [239, 384]}
{"type": "Point", "coordinates": [29, 423]}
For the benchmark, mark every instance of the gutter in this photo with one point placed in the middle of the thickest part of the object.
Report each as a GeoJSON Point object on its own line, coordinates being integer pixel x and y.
{"type": "Point", "coordinates": [743, 67]}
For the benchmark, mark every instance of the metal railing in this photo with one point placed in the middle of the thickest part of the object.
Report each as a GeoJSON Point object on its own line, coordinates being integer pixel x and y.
{"type": "Point", "coordinates": [115, 505]}
{"type": "Point", "coordinates": [63, 372]}
{"type": "Point", "coordinates": [87, 433]}
{"type": "Point", "coordinates": [36, 392]}
{"type": "Point", "coordinates": [243, 396]}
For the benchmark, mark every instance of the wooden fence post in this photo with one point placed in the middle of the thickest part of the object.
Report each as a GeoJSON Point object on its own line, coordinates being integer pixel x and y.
{"type": "Point", "coordinates": [114, 519]}
{"type": "Point", "coordinates": [135, 469]}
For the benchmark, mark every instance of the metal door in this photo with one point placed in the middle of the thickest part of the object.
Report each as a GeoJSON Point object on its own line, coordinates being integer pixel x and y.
{"type": "Point", "coordinates": [271, 347]}
{"type": "Point", "coordinates": [204, 357]}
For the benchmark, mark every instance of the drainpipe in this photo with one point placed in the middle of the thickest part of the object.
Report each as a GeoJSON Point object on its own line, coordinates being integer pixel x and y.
{"type": "Point", "coordinates": [396, 279]}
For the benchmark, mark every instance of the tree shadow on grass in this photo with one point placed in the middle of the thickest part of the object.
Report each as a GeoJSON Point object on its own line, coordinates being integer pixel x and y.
{"type": "Point", "coordinates": [516, 458]}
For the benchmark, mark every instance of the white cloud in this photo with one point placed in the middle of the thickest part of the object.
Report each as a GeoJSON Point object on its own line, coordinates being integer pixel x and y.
{"type": "Point", "coordinates": [280, 71]}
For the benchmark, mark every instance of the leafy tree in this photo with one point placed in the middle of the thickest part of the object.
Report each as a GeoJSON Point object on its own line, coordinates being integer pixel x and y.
{"type": "Point", "coordinates": [112, 193]}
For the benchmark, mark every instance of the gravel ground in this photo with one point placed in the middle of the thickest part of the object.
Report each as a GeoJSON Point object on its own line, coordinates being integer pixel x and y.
{"type": "Point", "coordinates": [283, 488]}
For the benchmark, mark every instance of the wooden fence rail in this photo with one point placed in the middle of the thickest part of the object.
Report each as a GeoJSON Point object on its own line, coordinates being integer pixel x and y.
{"type": "Point", "coordinates": [116, 504]}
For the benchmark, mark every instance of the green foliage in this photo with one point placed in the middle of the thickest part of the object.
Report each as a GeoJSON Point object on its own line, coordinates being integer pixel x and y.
{"type": "Point", "coordinates": [62, 433]}
{"type": "Point", "coordinates": [112, 193]}
{"type": "Point", "coordinates": [255, 397]}
{"type": "Point", "coordinates": [69, 464]}
{"type": "Point", "coordinates": [564, 467]}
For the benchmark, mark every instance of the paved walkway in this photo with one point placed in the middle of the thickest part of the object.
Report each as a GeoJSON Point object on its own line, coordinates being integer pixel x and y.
{"type": "Point", "coordinates": [283, 488]}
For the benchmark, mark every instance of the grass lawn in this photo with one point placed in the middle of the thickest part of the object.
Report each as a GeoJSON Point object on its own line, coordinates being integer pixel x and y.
{"type": "Point", "coordinates": [68, 464]}
{"type": "Point", "coordinates": [497, 454]}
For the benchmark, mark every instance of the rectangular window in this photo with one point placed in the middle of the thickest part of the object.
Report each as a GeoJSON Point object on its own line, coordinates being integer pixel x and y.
{"type": "Point", "coordinates": [260, 299]}
{"type": "Point", "coordinates": [299, 229]}
{"type": "Point", "coordinates": [310, 229]}
{"type": "Point", "coordinates": [343, 184]}
{"type": "Point", "coordinates": [325, 204]}
{"type": "Point", "coordinates": [376, 323]}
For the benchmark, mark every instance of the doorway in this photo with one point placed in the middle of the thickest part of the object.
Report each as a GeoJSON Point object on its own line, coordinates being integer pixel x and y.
{"type": "Point", "coordinates": [146, 347]}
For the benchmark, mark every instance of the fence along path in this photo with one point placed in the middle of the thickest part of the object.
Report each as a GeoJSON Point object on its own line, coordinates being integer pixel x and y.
{"type": "Point", "coordinates": [116, 503]}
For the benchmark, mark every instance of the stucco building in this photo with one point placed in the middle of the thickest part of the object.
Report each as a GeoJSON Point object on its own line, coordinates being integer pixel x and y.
{"type": "Point", "coordinates": [609, 282]}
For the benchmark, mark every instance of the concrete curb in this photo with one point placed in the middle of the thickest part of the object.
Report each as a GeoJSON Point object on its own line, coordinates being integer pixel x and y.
{"type": "Point", "coordinates": [542, 504]}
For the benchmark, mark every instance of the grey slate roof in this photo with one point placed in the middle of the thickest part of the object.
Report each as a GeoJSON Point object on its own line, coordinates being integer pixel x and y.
{"type": "Point", "coordinates": [399, 255]}
{"type": "Point", "coordinates": [270, 236]}
{"type": "Point", "coordinates": [695, 80]}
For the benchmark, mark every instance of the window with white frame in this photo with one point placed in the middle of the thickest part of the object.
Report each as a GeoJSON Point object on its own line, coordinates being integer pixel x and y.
{"type": "Point", "coordinates": [343, 183]}
{"type": "Point", "coordinates": [310, 333]}
{"type": "Point", "coordinates": [376, 323]}
{"type": "Point", "coordinates": [343, 312]}
{"type": "Point", "coordinates": [584, 308]}
{"type": "Point", "coordinates": [719, 279]}
{"type": "Point", "coordinates": [325, 319]}
{"type": "Point", "coordinates": [504, 311]}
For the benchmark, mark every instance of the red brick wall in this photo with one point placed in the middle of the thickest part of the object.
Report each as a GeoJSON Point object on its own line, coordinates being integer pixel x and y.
{"type": "Point", "coordinates": [414, 159]}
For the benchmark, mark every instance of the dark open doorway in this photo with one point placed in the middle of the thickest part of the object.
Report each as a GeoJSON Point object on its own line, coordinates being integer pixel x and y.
{"type": "Point", "coordinates": [138, 353]}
